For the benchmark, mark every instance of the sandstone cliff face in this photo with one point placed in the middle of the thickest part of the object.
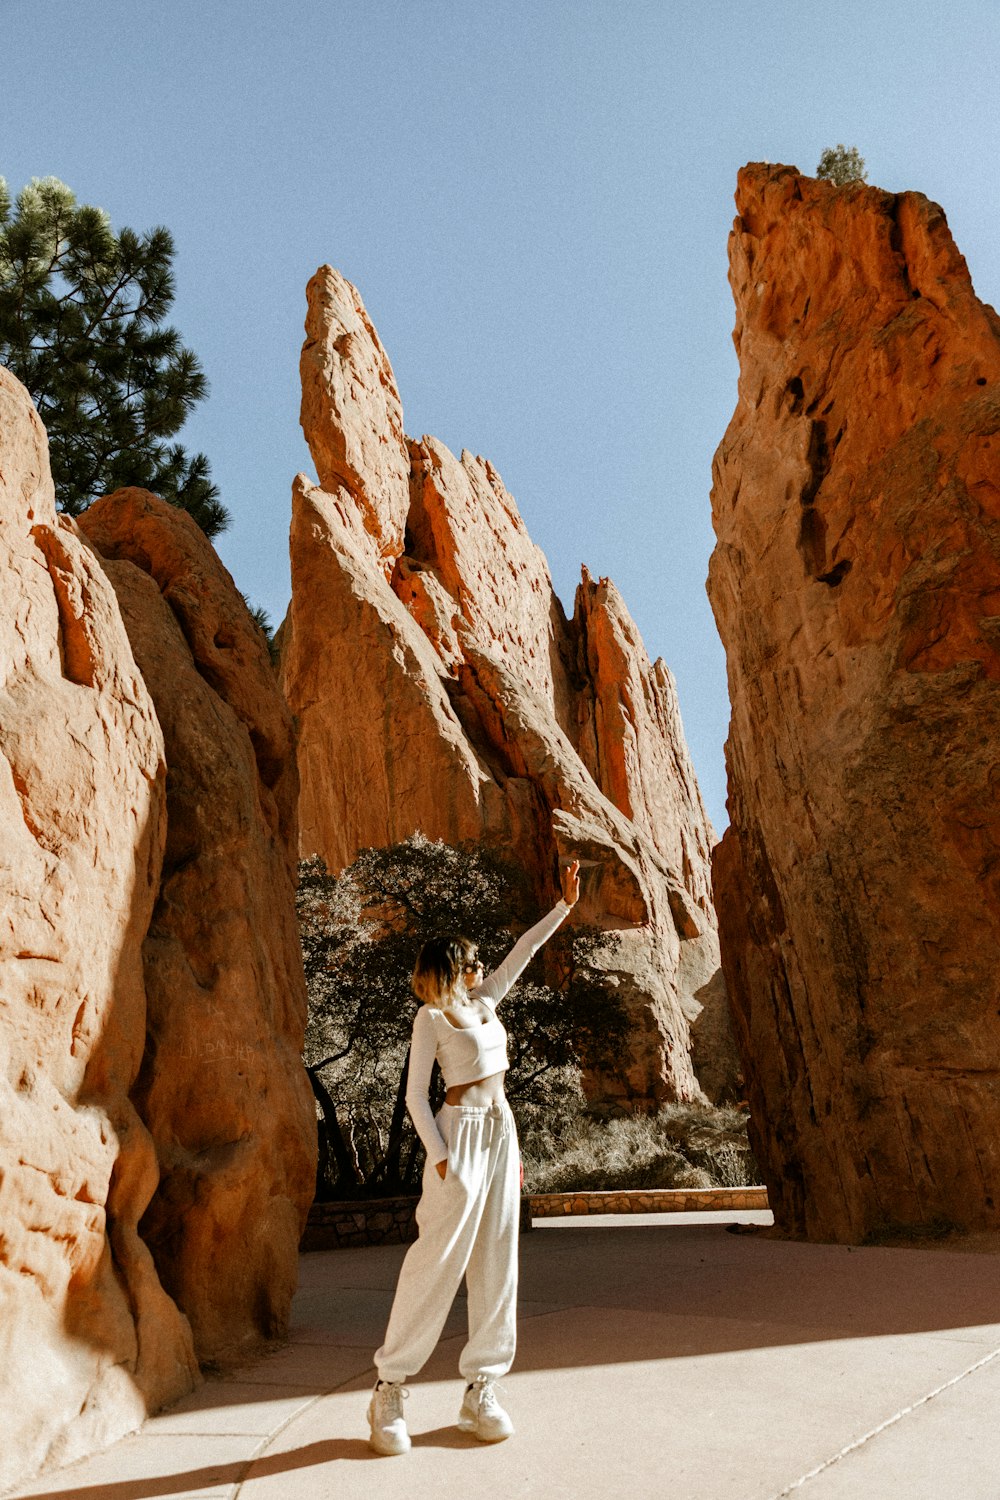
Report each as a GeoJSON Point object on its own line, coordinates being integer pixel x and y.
{"type": "Point", "coordinates": [354, 415]}
{"type": "Point", "coordinates": [438, 686]}
{"type": "Point", "coordinates": [88, 1337]}
{"type": "Point", "coordinates": [157, 1131]}
{"type": "Point", "coordinates": [856, 584]}
{"type": "Point", "coordinates": [222, 1088]}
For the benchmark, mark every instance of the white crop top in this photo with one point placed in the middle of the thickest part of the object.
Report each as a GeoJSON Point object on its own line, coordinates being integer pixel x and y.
{"type": "Point", "coordinates": [467, 1053]}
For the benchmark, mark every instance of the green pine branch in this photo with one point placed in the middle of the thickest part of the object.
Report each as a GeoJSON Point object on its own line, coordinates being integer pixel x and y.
{"type": "Point", "coordinates": [82, 327]}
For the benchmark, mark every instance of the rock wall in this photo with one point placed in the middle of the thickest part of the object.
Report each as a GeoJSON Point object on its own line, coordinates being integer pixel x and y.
{"type": "Point", "coordinates": [88, 1336]}
{"type": "Point", "coordinates": [856, 585]}
{"type": "Point", "coordinates": [439, 686]}
{"type": "Point", "coordinates": [222, 1087]}
{"type": "Point", "coordinates": [157, 1134]}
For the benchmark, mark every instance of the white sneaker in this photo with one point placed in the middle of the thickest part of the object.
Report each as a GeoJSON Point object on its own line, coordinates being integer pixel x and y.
{"type": "Point", "coordinates": [385, 1418]}
{"type": "Point", "coordinates": [482, 1414]}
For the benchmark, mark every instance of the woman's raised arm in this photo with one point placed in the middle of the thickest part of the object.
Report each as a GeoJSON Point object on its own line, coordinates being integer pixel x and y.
{"type": "Point", "coordinates": [497, 984]}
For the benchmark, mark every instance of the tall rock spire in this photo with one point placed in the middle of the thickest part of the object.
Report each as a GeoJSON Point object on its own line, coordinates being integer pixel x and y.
{"type": "Point", "coordinates": [856, 585]}
{"type": "Point", "coordinates": [439, 686]}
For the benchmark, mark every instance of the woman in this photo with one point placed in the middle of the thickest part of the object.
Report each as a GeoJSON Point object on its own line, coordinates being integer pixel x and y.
{"type": "Point", "coordinates": [469, 1211]}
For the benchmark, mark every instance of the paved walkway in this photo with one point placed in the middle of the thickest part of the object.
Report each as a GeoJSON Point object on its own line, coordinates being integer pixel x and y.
{"type": "Point", "coordinates": [658, 1358]}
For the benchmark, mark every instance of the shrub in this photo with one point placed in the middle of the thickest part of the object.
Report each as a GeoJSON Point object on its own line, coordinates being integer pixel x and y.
{"type": "Point", "coordinates": [682, 1146]}
{"type": "Point", "coordinates": [842, 164]}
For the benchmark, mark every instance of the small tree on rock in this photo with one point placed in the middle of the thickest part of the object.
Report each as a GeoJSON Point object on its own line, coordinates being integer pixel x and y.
{"type": "Point", "coordinates": [81, 326]}
{"type": "Point", "coordinates": [842, 164]}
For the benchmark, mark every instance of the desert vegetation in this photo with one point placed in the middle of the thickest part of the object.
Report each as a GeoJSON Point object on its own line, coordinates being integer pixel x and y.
{"type": "Point", "coordinates": [842, 164]}
{"type": "Point", "coordinates": [681, 1146]}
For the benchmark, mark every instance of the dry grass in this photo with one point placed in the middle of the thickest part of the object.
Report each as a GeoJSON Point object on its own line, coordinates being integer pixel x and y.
{"type": "Point", "coordinates": [683, 1146]}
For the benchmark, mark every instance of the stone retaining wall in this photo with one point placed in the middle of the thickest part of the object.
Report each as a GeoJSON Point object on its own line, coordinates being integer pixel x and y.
{"type": "Point", "coordinates": [663, 1201]}
{"type": "Point", "coordinates": [372, 1221]}
{"type": "Point", "coordinates": [391, 1221]}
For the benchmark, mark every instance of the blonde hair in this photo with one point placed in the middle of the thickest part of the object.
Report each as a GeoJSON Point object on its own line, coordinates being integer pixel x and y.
{"type": "Point", "coordinates": [439, 967]}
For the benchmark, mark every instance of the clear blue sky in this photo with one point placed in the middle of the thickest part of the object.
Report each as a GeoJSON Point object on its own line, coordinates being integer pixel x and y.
{"type": "Point", "coordinates": [533, 198]}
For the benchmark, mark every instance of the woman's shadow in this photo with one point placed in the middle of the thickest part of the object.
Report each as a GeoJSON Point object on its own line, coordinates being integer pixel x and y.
{"type": "Point", "coordinates": [329, 1451]}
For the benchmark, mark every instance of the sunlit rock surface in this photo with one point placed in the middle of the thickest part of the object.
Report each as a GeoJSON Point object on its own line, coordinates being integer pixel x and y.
{"type": "Point", "coordinates": [88, 1336]}
{"type": "Point", "coordinates": [157, 1135]}
{"type": "Point", "coordinates": [222, 1087]}
{"type": "Point", "coordinates": [856, 585]}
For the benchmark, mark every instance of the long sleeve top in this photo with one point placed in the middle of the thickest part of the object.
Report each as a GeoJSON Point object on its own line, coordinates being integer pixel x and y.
{"type": "Point", "coordinates": [467, 1053]}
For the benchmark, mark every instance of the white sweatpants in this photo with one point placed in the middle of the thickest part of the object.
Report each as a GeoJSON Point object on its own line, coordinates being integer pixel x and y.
{"type": "Point", "coordinates": [468, 1226]}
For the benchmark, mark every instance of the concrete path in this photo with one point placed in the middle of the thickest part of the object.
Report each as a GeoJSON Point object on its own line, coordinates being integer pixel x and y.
{"type": "Point", "coordinates": [659, 1357]}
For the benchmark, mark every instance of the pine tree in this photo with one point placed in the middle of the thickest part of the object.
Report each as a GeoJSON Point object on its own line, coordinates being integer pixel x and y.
{"type": "Point", "coordinates": [81, 326]}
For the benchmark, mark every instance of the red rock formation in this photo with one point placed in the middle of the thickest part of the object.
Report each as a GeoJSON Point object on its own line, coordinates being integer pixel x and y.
{"type": "Point", "coordinates": [631, 739]}
{"type": "Point", "coordinates": [438, 686]}
{"type": "Point", "coordinates": [153, 1002]}
{"type": "Point", "coordinates": [88, 1337]}
{"type": "Point", "coordinates": [465, 534]}
{"type": "Point", "coordinates": [353, 412]}
{"type": "Point", "coordinates": [222, 1087]}
{"type": "Point", "coordinates": [856, 584]}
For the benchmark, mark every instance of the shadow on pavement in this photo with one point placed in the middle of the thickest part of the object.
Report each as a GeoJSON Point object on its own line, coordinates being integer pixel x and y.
{"type": "Point", "coordinates": [214, 1475]}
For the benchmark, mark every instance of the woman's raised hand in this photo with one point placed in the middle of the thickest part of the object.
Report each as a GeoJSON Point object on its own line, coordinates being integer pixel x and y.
{"type": "Point", "coordinates": [570, 877]}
